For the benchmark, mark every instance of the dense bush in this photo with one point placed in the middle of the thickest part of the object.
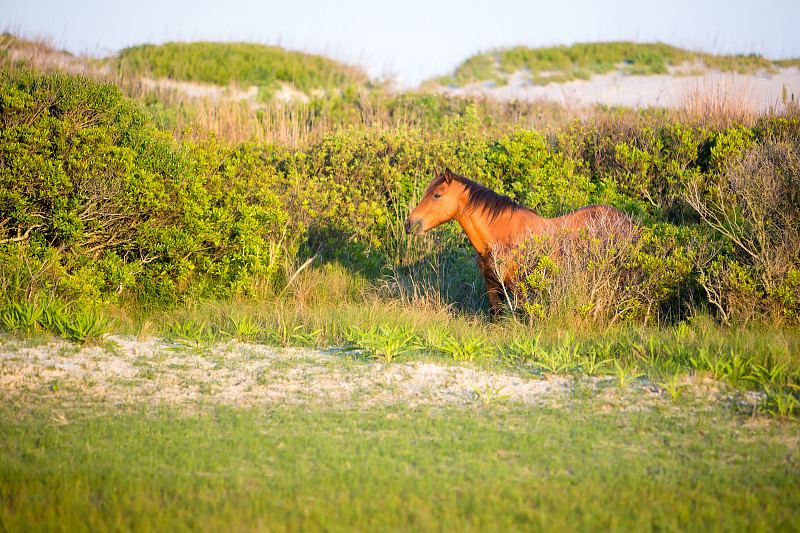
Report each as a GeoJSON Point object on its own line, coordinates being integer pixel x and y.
{"type": "Point", "coordinates": [119, 207]}
{"type": "Point", "coordinates": [755, 204]}
{"type": "Point", "coordinates": [97, 204]}
{"type": "Point", "coordinates": [605, 275]}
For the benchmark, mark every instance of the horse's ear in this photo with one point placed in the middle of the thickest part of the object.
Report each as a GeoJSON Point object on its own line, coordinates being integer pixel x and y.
{"type": "Point", "coordinates": [448, 176]}
{"type": "Point", "coordinates": [435, 172]}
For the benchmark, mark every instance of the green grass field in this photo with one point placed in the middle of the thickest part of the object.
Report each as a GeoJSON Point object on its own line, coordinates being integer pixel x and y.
{"type": "Point", "coordinates": [186, 434]}
{"type": "Point", "coordinates": [499, 468]}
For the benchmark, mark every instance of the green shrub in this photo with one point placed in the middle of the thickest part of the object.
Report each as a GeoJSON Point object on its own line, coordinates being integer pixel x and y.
{"type": "Point", "coordinates": [522, 166]}
{"type": "Point", "coordinates": [606, 276]}
{"type": "Point", "coordinates": [755, 204]}
{"type": "Point", "coordinates": [98, 205]}
{"type": "Point", "coordinates": [128, 209]}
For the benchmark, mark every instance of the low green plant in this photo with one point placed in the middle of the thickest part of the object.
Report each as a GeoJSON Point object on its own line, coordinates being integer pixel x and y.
{"type": "Point", "coordinates": [434, 338]}
{"type": "Point", "coordinates": [468, 349]}
{"type": "Point", "coordinates": [23, 316]}
{"type": "Point", "coordinates": [673, 387]}
{"type": "Point", "coordinates": [196, 338]}
{"type": "Point", "coordinates": [732, 369]}
{"type": "Point", "coordinates": [519, 351]}
{"type": "Point", "coordinates": [624, 375]}
{"type": "Point", "coordinates": [285, 334]}
{"type": "Point", "coordinates": [55, 319]}
{"type": "Point", "coordinates": [781, 403]}
{"type": "Point", "coordinates": [490, 394]}
{"type": "Point", "coordinates": [89, 327]}
{"type": "Point", "coordinates": [702, 360]}
{"type": "Point", "coordinates": [561, 358]}
{"type": "Point", "coordinates": [768, 374]}
{"type": "Point", "coordinates": [385, 343]}
{"type": "Point", "coordinates": [650, 353]}
{"type": "Point", "coordinates": [86, 326]}
{"type": "Point", "coordinates": [553, 363]}
{"type": "Point", "coordinates": [735, 369]}
{"type": "Point", "coordinates": [682, 332]}
{"type": "Point", "coordinates": [592, 362]}
{"type": "Point", "coordinates": [243, 327]}
{"type": "Point", "coordinates": [678, 355]}
{"type": "Point", "coordinates": [301, 336]}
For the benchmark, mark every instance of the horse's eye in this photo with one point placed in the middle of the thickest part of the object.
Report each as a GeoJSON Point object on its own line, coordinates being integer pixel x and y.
{"type": "Point", "coordinates": [437, 195]}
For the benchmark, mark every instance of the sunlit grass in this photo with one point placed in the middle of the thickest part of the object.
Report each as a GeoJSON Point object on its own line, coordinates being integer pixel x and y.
{"type": "Point", "coordinates": [238, 63]}
{"type": "Point", "coordinates": [752, 358]}
{"type": "Point", "coordinates": [494, 468]}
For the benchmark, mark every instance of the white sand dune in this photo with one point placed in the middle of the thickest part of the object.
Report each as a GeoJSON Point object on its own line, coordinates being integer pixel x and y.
{"type": "Point", "coordinates": [755, 92]}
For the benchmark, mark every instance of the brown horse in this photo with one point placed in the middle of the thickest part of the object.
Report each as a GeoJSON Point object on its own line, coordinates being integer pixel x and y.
{"type": "Point", "coordinates": [492, 221]}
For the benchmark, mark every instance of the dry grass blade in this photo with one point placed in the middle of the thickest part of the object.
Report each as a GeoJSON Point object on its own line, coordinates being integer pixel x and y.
{"type": "Point", "coordinates": [297, 273]}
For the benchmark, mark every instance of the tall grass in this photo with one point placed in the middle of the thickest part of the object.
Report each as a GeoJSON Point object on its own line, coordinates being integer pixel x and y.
{"type": "Point", "coordinates": [732, 99]}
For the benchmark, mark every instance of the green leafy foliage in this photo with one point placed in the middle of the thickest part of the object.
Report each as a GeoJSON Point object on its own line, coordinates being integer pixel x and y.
{"type": "Point", "coordinates": [753, 202]}
{"type": "Point", "coordinates": [117, 208]}
{"type": "Point", "coordinates": [560, 358]}
{"type": "Point", "coordinates": [601, 275]}
{"type": "Point", "coordinates": [243, 327]}
{"type": "Point", "coordinates": [526, 169]}
{"type": "Point", "coordinates": [21, 316]}
{"type": "Point", "coordinates": [89, 327]}
{"type": "Point", "coordinates": [781, 404]}
{"type": "Point", "coordinates": [286, 332]}
{"type": "Point", "coordinates": [97, 205]}
{"type": "Point", "coordinates": [624, 375]}
{"type": "Point", "coordinates": [674, 388]}
{"type": "Point", "coordinates": [86, 326]}
{"type": "Point", "coordinates": [490, 394]}
{"type": "Point", "coordinates": [197, 338]}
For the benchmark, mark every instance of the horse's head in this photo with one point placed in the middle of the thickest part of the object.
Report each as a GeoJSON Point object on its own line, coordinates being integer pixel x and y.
{"type": "Point", "coordinates": [439, 204]}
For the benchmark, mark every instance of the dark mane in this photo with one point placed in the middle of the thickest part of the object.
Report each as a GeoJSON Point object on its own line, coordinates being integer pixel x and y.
{"type": "Point", "coordinates": [480, 197]}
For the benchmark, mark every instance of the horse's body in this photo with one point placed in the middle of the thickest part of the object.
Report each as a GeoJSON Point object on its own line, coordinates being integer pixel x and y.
{"type": "Point", "coordinates": [492, 221]}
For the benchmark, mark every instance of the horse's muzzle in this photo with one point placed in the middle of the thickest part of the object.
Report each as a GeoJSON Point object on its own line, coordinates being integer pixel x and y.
{"type": "Point", "coordinates": [411, 225]}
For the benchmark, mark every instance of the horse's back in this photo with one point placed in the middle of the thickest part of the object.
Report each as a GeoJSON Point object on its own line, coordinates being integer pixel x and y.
{"type": "Point", "coordinates": [599, 216]}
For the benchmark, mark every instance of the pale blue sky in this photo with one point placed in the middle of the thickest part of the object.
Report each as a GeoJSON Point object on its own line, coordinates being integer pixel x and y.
{"type": "Point", "coordinates": [416, 39]}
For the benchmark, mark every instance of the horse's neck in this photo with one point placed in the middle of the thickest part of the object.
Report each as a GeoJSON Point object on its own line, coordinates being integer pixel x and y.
{"type": "Point", "coordinates": [505, 229]}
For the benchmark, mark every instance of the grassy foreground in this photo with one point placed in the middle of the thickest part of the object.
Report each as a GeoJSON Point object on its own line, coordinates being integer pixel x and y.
{"type": "Point", "coordinates": [502, 468]}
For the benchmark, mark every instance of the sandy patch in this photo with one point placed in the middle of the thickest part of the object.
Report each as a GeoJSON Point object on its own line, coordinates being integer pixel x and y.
{"type": "Point", "coordinates": [755, 92]}
{"type": "Point", "coordinates": [233, 373]}
{"type": "Point", "coordinates": [285, 92]}
{"type": "Point", "coordinates": [202, 90]}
